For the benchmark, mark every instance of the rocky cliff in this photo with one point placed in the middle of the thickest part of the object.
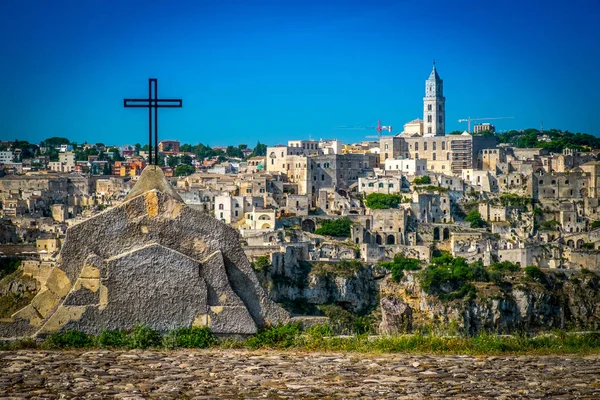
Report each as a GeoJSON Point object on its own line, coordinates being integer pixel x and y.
{"type": "Point", "coordinates": [557, 300]}
{"type": "Point", "coordinates": [561, 300]}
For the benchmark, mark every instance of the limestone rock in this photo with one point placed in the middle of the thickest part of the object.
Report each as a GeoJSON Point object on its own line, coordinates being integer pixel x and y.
{"type": "Point", "coordinates": [396, 316]}
{"type": "Point", "coordinates": [150, 260]}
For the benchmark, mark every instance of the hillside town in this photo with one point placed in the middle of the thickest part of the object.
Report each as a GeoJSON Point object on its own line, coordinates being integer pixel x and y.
{"type": "Point", "coordinates": [528, 197]}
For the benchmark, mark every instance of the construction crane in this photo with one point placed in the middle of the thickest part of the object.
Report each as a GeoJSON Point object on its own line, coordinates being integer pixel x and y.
{"type": "Point", "coordinates": [379, 128]}
{"type": "Point", "coordinates": [469, 119]}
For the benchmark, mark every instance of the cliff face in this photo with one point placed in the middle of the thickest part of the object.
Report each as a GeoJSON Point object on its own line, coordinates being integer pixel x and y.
{"type": "Point", "coordinates": [559, 302]}
{"type": "Point", "coordinates": [304, 286]}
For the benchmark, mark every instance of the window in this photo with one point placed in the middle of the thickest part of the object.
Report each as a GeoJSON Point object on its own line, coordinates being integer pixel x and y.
{"type": "Point", "coordinates": [248, 190]}
{"type": "Point", "coordinates": [433, 156]}
{"type": "Point", "coordinates": [386, 146]}
{"type": "Point", "coordinates": [440, 119]}
{"type": "Point", "coordinates": [236, 213]}
{"type": "Point", "coordinates": [429, 118]}
{"type": "Point", "coordinates": [220, 206]}
{"type": "Point", "coordinates": [429, 130]}
{"type": "Point", "coordinates": [434, 146]}
{"type": "Point", "coordinates": [386, 156]}
{"type": "Point", "coordinates": [439, 107]}
{"type": "Point", "coordinates": [417, 146]}
{"type": "Point", "coordinates": [425, 146]}
{"type": "Point", "coordinates": [381, 185]}
{"type": "Point", "coordinates": [443, 145]}
{"type": "Point", "coordinates": [371, 184]}
{"type": "Point", "coordinates": [322, 177]}
{"type": "Point", "coordinates": [429, 107]}
{"type": "Point", "coordinates": [417, 156]}
{"type": "Point", "coordinates": [447, 156]}
{"type": "Point", "coordinates": [221, 215]}
{"type": "Point", "coordinates": [391, 185]}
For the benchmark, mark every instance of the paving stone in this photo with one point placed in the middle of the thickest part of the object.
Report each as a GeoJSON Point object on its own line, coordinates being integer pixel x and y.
{"type": "Point", "coordinates": [210, 374]}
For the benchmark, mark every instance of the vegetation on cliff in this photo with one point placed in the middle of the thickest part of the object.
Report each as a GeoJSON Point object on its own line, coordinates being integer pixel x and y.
{"type": "Point", "coordinates": [339, 227]}
{"type": "Point", "coordinates": [381, 201]}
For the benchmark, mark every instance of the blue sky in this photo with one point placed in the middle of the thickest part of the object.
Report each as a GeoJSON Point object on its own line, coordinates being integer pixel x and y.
{"type": "Point", "coordinates": [279, 70]}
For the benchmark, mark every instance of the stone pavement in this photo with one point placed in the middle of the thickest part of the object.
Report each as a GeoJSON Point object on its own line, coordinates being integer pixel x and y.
{"type": "Point", "coordinates": [208, 374]}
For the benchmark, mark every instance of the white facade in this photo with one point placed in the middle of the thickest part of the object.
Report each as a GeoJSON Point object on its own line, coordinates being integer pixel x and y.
{"type": "Point", "coordinates": [380, 184]}
{"type": "Point", "coordinates": [407, 166]}
{"type": "Point", "coordinates": [434, 106]}
{"type": "Point", "coordinates": [6, 157]}
{"type": "Point", "coordinates": [231, 209]}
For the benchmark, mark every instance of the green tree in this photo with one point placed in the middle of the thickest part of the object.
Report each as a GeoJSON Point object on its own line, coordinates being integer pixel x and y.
{"type": "Point", "coordinates": [233, 151]}
{"type": "Point", "coordinates": [184, 170]}
{"type": "Point", "coordinates": [56, 141]}
{"type": "Point", "coordinates": [173, 161]}
{"type": "Point", "coordinates": [424, 180]}
{"type": "Point", "coordinates": [259, 150]}
{"type": "Point", "coordinates": [474, 217]}
{"type": "Point", "coordinates": [340, 227]}
{"type": "Point", "coordinates": [106, 170]}
{"type": "Point", "coordinates": [185, 159]}
{"type": "Point", "coordinates": [381, 201]}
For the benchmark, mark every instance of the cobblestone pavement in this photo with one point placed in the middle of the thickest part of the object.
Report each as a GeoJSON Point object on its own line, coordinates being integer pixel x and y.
{"type": "Point", "coordinates": [207, 374]}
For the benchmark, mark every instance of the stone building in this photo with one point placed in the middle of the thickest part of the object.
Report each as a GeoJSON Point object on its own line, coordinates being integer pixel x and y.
{"type": "Point", "coordinates": [434, 105]}
{"type": "Point", "coordinates": [380, 184]}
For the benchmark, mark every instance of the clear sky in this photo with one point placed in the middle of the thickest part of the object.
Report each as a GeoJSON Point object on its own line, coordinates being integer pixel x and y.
{"type": "Point", "coordinates": [278, 70]}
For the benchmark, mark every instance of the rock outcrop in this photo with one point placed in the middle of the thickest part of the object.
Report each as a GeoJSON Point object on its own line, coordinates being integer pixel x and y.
{"type": "Point", "coordinates": [396, 316]}
{"type": "Point", "coordinates": [151, 260]}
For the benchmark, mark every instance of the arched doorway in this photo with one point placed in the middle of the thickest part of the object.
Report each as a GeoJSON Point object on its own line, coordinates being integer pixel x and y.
{"type": "Point", "coordinates": [378, 239]}
{"type": "Point", "coordinates": [368, 224]}
{"type": "Point", "coordinates": [446, 234]}
{"type": "Point", "coordinates": [436, 233]}
{"type": "Point", "coordinates": [390, 239]}
{"type": "Point", "coordinates": [580, 243]}
{"type": "Point", "coordinates": [571, 243]}
{"type": "Point", "coordinates": [308, 225]}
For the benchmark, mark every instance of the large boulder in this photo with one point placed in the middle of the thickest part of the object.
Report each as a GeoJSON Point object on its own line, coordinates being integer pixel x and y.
{"type": "Point", "coordinates": [396, 316]}
{"type": "Point", "coordinates": [151, 260]}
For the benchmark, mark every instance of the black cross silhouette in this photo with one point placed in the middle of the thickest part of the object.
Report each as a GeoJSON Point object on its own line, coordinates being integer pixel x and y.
{"type": "Point", "coordinates": [153, 102]}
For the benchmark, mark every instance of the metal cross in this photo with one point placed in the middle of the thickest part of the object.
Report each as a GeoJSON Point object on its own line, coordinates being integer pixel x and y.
{"type": "Point", "coordinates": [153, 102]}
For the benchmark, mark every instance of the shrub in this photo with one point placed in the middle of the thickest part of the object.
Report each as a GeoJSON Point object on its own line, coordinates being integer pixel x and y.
{"type": "Point", "coordinates": [343, 322]}
{"type": "Point", "coordinates": [595, 224]}
{"type": "Point", "coordinates": [514, 200]}
{"type": "Point", "coordinates": [262, 264]}
{"type": "Point", "coordinates": [401, 264]}
{"type": "Point", "coordinates": [194, 338]}
{"type": "Point", "coordinates": [73, 339]}
{"type": "Point", "coordinates": [424, 180]}
{"type": "Point", "coordinates": [504, 266]}
{"type": "Point", "coordinates": [449, 277]}
{"type": "Point", "coordinates": [381, 201]}
{"type": "Point", "coordinates": [533, 273]}
{"type": "Point", "coordinates": [474, 217]}
{"type": "Point", "coordinates": [8, 265]}
{"type": "Point", "coordinates": [549, 225]}
{"type": "Point", "coordinates": [143, 337]}
{"type": "Point", "coordinates": [109, 338]}
{"type": "Point", "coordinates": [335, 227]}
{"type": "Point", "coordinates": [277, 337]}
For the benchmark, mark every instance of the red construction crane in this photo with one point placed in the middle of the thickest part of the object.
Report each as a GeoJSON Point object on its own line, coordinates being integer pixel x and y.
{"type": "Point", "coordinates": [469, 119]}
{"type": "Point", "coordinates": [379, 128]}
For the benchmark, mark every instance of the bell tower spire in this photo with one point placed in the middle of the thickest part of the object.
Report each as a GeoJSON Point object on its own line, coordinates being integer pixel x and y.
{"type": "Point", "coordinates": [434, 105]}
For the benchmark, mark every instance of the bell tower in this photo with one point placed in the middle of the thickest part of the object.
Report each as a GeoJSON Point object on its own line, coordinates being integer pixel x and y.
{"type": "Point", "coordinates": [434, 105]}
